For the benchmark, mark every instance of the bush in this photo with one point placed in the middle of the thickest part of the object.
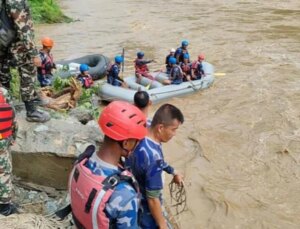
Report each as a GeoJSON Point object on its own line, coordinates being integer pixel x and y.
{"type": "Point", "coordinates": [47, 11]}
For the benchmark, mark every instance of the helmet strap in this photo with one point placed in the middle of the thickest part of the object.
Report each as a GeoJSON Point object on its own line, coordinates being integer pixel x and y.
{"type": "Point", "coordinates": [126, 150]}
{"type": "Point", "coordinates": [122, 147]}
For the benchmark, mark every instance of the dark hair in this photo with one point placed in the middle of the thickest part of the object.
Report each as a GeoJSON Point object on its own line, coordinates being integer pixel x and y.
{"type": "Point", "coordinates": [141, 99]}
{"type": "Point", "coordinates": [166, 114]}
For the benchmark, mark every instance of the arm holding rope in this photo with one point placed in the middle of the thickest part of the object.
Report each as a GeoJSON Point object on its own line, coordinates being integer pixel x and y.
{"type": "Point", "coordinates": [178, 179]}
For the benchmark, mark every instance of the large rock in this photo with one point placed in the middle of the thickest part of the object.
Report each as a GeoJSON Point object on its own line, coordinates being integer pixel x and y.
{"type": "Point", "coordinates": [44, 153]}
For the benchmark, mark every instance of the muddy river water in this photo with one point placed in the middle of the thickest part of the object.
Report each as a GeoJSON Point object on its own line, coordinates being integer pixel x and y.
{"type": "Point", "coordinates": [239, 147]}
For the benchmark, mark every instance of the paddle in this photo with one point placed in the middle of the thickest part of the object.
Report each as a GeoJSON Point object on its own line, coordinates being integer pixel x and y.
{"type": "Point", "coordinates": [220, 74]}
{"type": "Point", "coordinates": [217, 74]}
{"type": "Point", "coordinates": [149, 85]}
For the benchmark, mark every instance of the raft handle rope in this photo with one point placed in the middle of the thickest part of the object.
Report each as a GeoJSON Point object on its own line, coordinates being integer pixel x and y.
{"type": "Point", "coordinates": [179, 196]}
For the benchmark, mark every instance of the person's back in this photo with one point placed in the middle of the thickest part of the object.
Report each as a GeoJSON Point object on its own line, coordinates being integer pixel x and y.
{"type": "Point", "coordinates": [168, 66]}
{"type": "Point", "coordinates": [197, 71]}
{"type": "Point", "coordinates": [176, 75]}
{"type": "Point", "coordinates": [103, 194]}
{"type": "Point", "coordinates": [181, 51]}
{"type": "Point", "coordinates": [186, 67]}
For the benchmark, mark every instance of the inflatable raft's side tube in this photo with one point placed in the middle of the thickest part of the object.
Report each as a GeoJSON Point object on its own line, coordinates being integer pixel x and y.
{"type": "Point", "coordinates": [98, 65]}
{"type": "Point", "coordinates": [153, 83]}
{"type": "Point", "coordinates": [143, 85]}
{"type": "Point", "coordinates": [109, 92]}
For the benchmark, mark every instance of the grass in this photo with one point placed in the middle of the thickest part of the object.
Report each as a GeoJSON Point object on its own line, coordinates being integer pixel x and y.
{"type": "Point", "coordinates": [47, 11]}
{"type": "Point", "coordinates": [15, 84]}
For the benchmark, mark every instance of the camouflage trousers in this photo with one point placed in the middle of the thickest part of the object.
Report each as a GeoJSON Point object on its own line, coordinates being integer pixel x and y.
{"type": "Point", "coordinates": [14, 57]}
{"type": "Point", "coordinates": [5, 176]}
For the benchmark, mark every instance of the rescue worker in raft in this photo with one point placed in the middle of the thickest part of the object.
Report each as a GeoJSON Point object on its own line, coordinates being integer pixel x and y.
{"type": "Point", "coordinates": [84, 77]}
{"type": "Point", "coordinates": [44, 72]}
{"type": "Point", "coordinates": [168, 66]}
{"type": "Point", "coordinates": [103, 194]}
{"type": "Point", "coordinates": [113, 73]}
{"type": "Point", "coordinates": [176, 75]}
{"type": "Point", "coordinates": [8, 133]}
{"type": "Point", "coordinates": [197, 71]}
{"type": "Point", "coordinates": [141, 67]}
{"type": "Point", "coordinates": [186, 67]}
{"type": "Point", "coordinates": [181, 51]}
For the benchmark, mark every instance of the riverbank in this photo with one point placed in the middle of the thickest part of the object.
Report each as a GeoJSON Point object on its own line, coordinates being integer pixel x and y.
{"type": "Point", "coordinates": [47, 11]}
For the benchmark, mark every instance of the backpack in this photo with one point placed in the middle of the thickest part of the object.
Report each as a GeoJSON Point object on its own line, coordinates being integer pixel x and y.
{"type": "Point", "coordinates": [7, 30]}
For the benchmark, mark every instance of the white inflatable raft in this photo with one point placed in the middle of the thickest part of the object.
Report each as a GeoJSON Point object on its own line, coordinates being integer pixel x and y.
{"type": "Point", "coordinates": [157, 91]}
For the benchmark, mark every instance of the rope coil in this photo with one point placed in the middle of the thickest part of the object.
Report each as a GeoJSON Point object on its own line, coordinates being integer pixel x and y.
{"type": "Point", "coordinates": [179, 196]}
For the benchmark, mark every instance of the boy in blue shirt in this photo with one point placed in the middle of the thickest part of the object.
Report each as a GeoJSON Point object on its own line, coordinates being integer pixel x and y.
{"type": "Point", "coordinates": [147, 164]}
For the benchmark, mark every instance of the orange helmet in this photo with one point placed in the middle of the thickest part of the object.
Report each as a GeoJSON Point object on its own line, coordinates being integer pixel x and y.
{"type": "Point", "coordinates": [47, 41]}
{"type": "Point", "coordinates": [201, 57]}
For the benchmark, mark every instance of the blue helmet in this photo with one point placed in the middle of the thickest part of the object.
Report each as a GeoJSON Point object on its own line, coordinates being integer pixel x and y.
{"type": "Point", "coordinates": [184, 43]}
{"type": "Point", "coordinates": [186, 56]}
{"type": "Point", "coordinates": [172, 60]}
{"type": "Point", "coordinates": [119, 59]}
{"type": "Point", "coordinates": [140, 54]}
{"type": "Point", "coordinates": [84, 67]}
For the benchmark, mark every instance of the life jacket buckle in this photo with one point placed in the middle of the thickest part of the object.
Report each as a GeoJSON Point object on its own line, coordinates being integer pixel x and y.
{"type": "Point", "coordinates": [113, 181]}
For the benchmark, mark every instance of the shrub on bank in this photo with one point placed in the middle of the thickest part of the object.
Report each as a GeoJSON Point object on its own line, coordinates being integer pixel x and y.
{"type": "Point", "coordinates": [47, 11]}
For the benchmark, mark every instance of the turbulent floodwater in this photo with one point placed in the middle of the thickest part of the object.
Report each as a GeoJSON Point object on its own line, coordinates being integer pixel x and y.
{"type": "Point", "coordinates": [239, 146]}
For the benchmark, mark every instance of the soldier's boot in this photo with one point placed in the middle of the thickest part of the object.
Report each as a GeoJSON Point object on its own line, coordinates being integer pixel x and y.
{"type": "Point", "coordinates": [34, 115]}
{"type": "Point", "coordinates": [8, 209]}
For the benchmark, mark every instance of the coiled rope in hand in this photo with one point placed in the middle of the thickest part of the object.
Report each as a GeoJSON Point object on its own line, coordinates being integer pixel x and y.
{"type": "Point", "coordinates": [179, 196]}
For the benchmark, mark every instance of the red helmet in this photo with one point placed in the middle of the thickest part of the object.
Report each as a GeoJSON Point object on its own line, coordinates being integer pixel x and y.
{"type": "Point", "coordinates": [201, 57]}
{"type": "Point", "coordinates": [47, 42]}
{"type": "Point", "coordinates": [121, 120]}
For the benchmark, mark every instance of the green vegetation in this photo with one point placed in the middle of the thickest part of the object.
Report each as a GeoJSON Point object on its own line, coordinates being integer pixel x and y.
{"type": "Point", "coordinates": [15, 84]}
{"type": "Point", "coordinates": [86, 100]}
{"type": "Point", "coordinates": [47, 11]}
{"type": "Point", "coordinates": [58, 83]}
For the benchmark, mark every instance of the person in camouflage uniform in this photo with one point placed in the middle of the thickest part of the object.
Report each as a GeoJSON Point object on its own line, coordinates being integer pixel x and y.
{"type": "Point", "coordinates": [20, 51]}
{"type": "Point", "coordinates": [6, 207]}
